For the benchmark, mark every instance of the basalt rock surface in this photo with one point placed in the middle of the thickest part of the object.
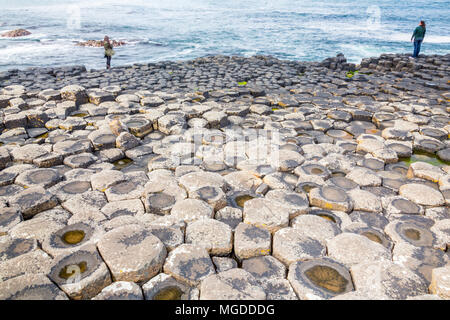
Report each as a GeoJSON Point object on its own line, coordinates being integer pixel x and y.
{"type": "Point", "coordinates": [250, 178]}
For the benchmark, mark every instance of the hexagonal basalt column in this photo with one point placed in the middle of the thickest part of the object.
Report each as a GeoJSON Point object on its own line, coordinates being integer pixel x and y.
{"type": "Point", "coordinates": [195, 180]}
{"type": "Point", "coordinates": [191, 210]}
{"type": "Point", "coordinates": [189, 264]}
{"type": "Point", "coordinates": [102, 139]}
{"type": "Point", "coordinates": [351, 249]}
{"type": "Point", "coordinates": [319, 279]}
{"type": "Point", "coordinates": [121, 290]}
{"type": "Point", "coordinates": [71, 147]}
{"type": "Point", "coordinates": [290, 245]}
{"type": "Point", "coordinates": [38, 177]}
{"type": "Point", "coordinates": [69, 239]}
{"type": "Point", "coordinates": [251, 241]}
{"type": "Point", "coordinates": [165, 287]}
{"type": "Point", "coordinates": [82, 160]}
{"type": "Point", "coordinates": [297, 203]}
{"type": "Point", "coordinates": [132, 253]}
{"type": "Point", "coordinates": [81, 274]}
{"type": "Point", "coordinates": [74, 93]}
{"type": "Point", "coordinates": [330, 198]}
{"type": "Point", "coordinates": [67, 189]}
{"type": "Point", "coordinates": [32, 201]}
{"type": "Point", "coordinates": [214, 196]}
{"type": "Point", "coordinates": [387, 280]}
{"type": "Point", "coordinates": [422, 194]}
{"type": "Point", "coordinates": [12, 248]}
{"type": "Point", "coordinates": [266, 214]}
{"type": "Point", "coordinates": [30, 287]}
{"type": "Point", "coordinates": [234, 284]}
{"type": "Point", "coordinates": [214, 235]}
{"type": "Point", "coordinates": [315, 227]}
{"type": "Point", "coordinates": [139, 126]}
{"type": "Point", "coordinates": [411, 232]}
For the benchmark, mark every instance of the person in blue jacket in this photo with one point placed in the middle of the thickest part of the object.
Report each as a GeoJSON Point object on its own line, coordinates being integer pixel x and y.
{"type": "Point", "coordinates": [417, 37]}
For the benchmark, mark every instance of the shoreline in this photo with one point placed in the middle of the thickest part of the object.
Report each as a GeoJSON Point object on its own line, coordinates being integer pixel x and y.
{"type": "Point", "coordinates": [385, 62]}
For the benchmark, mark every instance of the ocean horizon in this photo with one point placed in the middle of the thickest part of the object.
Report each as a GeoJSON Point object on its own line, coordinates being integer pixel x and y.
{"type": "Point", "coordinates": [180, 30]}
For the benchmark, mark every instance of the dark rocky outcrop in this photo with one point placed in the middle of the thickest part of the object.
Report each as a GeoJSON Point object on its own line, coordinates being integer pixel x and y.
{"type": "Point", "coordinates": [99, 43]}
{"type": "Point", "coordinates": [16, 33]}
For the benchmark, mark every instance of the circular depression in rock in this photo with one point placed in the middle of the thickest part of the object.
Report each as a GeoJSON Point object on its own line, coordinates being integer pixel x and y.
{"type": "Point", "coordinates": [160, 201]}
{"type": "Point", "coordinates": [373, 164]}
{"type": "Point", "coordinates": [406, 206]}
{"type": "Point", "coordinates": [343, 183]}
{"type": "Point", "coordinates": [350, 147]}
{"type": "Point", "coordinates": [79, 159]}
{"type": "Point", "coordinates": [80, 263]}
{"type": "Point", "coordinates": [76, 187]}
{"type": "Point", "coordinates": [139, 127]}
{"type": "Point", "coordinates": [415, 234]}
{"type": "Point", "coordinates": [327, 215]}
{"type": "Point", "coordinates": [398, 167]}
{"type": "Point", "coordinates": [434, 133]}
{"type": "Point", "coordinates": [327, 278]}
{"type": "Point", "coordinates": [213, 166]}
{"type": "Point", "coordinates": [169, 293]}
{"type": "Point", "coordinates": [372, 236]}
{"type": "Point", "coordinates": [69, 271]}
{"type": "Point", "coordinates": [42, 176]}
{"type": "Point", "coordinates": [306, 186]}
{"type": "Point", "coordinates": [122, 163]}
{"type": "Point", "coordinates": [394, 184]}
{"type": "Point", "coordinates": [315, 169]}
{"type": "Point", "coordinates": [323, 277]}
{"type": "Point", "coordinates": [339, 134]}
{"type": "Point", "coordinates": [333, 194]}
{"type": "Point", "coordinates": [136, 123]}
{"type": "Point", "coordinates": [16, 248]}
{"type": "Point", "coordinates": [429, 146]}
{"type": "Point", "coordinates": [412, 234]}
{"type": "Point", "coordinates": [207, 192]}
{"type": "Point", "coordinates": [71, 236]}
{"type": "Point", "coordinates": [105, 139]}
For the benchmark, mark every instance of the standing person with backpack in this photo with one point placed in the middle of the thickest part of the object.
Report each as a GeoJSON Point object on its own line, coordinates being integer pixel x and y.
{"type": "Point", "coordinates": [109, 52]}
{"type": "Point", "coordinates": [418, 35]}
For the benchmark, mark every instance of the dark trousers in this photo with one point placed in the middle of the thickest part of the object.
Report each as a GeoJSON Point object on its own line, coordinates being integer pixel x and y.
{"type": "Point", "coordinates": [417, 44]}
{"type": "Point", "coordinates": [108, 62]}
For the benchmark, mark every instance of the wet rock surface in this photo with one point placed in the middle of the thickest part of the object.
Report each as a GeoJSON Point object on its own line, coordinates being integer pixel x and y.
{"type": "Point", "coordinates": [16, 33]}
{"type": "Point", "coordinates": [226, 178]}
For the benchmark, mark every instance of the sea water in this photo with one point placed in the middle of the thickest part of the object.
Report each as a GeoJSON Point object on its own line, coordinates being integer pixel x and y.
{"type": "Point", "coordinates": [157, 30]}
